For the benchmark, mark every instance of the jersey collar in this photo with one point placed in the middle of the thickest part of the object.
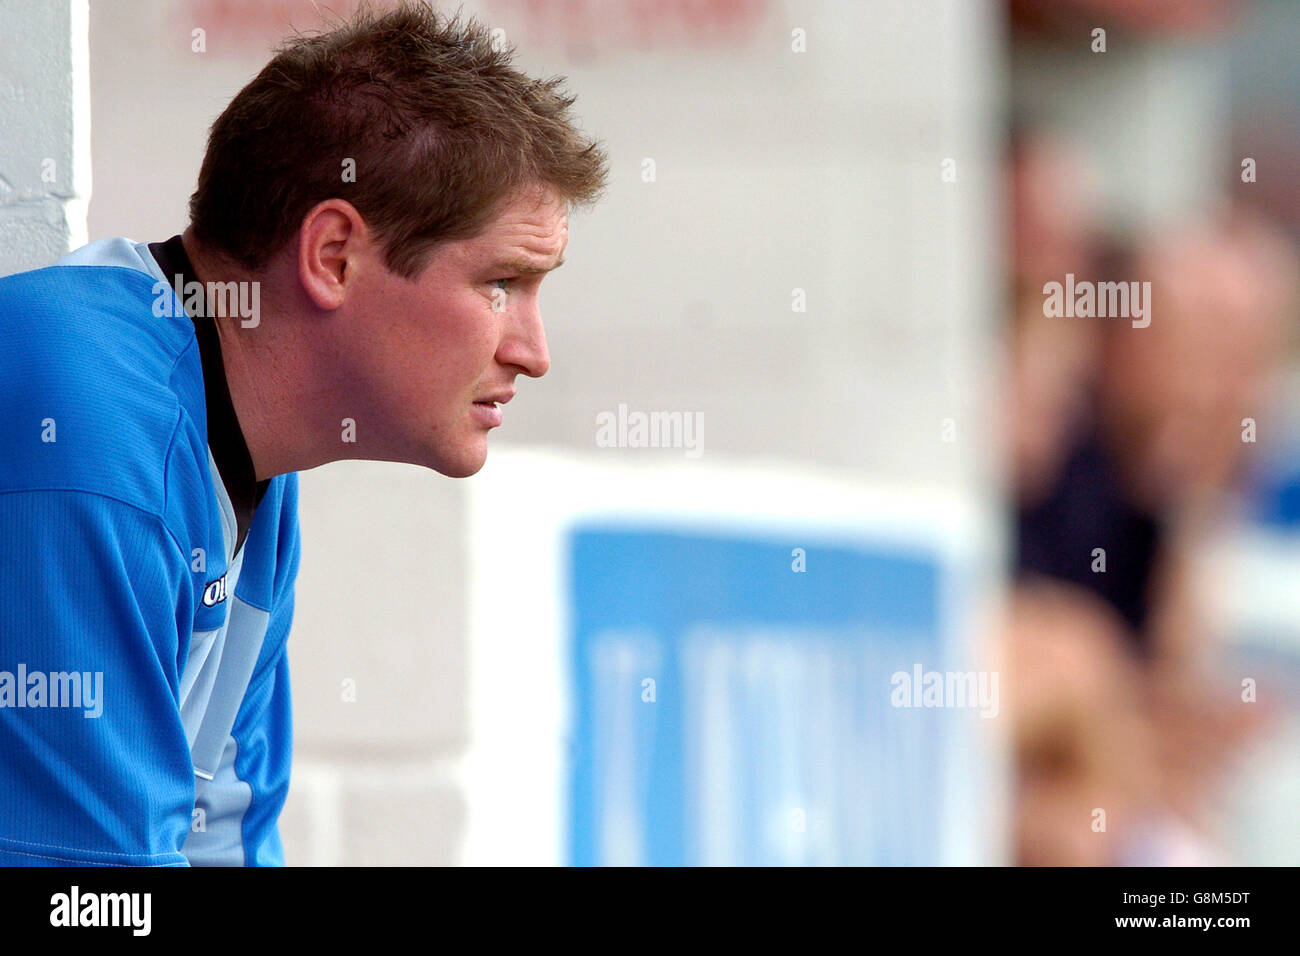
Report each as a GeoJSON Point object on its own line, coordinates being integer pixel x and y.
{"type": "Point", "coordinates": [225, 437]}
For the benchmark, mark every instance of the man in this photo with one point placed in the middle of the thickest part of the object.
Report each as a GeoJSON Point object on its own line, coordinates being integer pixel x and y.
{"type": "Point", "coordinates": [373, 218]}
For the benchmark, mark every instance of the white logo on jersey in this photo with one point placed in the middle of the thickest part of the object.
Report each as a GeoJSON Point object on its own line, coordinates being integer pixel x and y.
{"type": "Point", "coordinates": [215, 592]}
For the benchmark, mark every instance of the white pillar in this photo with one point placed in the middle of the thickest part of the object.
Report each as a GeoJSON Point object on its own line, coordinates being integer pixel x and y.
{"type": "Point", "coordinates": [44, 130]}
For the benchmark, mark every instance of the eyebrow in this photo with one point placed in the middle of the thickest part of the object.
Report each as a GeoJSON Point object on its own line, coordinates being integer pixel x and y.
{"type": "Point", "coordinates": [524, 266]}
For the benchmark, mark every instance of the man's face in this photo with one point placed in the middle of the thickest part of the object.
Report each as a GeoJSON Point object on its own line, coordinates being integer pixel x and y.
{"type": "Point", "coordinates": [442, 347]}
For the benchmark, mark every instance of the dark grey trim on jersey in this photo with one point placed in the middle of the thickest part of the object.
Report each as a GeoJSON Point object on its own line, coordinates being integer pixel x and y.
{"type": "Point", "coordinates": [225, 437]}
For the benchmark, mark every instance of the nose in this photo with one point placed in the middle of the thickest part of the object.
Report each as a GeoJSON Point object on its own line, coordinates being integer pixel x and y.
{"type": "Point", "coordinates": [524, 341]}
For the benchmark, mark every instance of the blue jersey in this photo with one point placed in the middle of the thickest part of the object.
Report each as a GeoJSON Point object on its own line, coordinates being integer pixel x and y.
{"type": "Point", "coordinates": [146, 579]}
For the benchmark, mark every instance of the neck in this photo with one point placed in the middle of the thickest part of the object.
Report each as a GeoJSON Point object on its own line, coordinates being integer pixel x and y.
{"type": "Point", "coordinates": [261, 370]}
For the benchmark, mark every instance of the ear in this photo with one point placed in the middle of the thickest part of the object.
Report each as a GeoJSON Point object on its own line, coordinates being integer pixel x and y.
{"type": "Point", "coordinates": [330, 246]}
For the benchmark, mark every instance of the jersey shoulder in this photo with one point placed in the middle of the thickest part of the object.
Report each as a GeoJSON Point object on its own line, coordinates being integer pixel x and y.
{"type": "Point", "coordinates": [99, 376]}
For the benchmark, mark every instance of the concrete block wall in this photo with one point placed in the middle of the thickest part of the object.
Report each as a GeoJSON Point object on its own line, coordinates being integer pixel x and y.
{"type": "Point", "coordinates": [44, 130]}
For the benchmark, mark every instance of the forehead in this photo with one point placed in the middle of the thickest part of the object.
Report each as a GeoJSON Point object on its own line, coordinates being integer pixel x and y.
{"type": "Point", "coordinates": [534, 224]}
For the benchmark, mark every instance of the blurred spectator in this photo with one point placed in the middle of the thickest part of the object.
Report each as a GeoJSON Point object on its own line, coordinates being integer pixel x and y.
{"type": "Point", "coordinates": [1153, 446]}
{"type": "Point", "coordinates": [1055, 224]}
{"type": "Point", "coordinates": [1085, 755]}
{"type": "Point", "coordinates": [1135, 441]}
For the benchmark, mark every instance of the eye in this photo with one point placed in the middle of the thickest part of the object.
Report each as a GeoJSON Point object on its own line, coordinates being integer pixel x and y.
{"type": "Point", "coordinates": [503, 282]}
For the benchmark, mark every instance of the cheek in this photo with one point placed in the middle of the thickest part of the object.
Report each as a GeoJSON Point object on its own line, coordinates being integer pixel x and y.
{"type": "Point", "coordinates": [471, 334]}
{"type": "Point", "coordinates": [462, 349]}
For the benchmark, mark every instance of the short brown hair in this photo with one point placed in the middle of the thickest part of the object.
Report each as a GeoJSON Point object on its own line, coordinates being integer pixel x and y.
{"type": "Point", "coordinates": [441, 128]}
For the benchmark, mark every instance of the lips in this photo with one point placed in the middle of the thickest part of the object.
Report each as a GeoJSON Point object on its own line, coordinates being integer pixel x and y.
{"type": "Point", "coordinates": [487, 413]}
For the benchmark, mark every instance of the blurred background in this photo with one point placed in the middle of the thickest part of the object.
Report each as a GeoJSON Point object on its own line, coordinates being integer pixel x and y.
{"type": "Point", "coordinates": [893, 469]}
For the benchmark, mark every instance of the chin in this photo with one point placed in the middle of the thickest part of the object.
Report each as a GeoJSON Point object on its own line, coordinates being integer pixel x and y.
{"type": "Point", "coordinates": [461, 472]}
{"type": "Point", "coordinates": [463, 465]}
